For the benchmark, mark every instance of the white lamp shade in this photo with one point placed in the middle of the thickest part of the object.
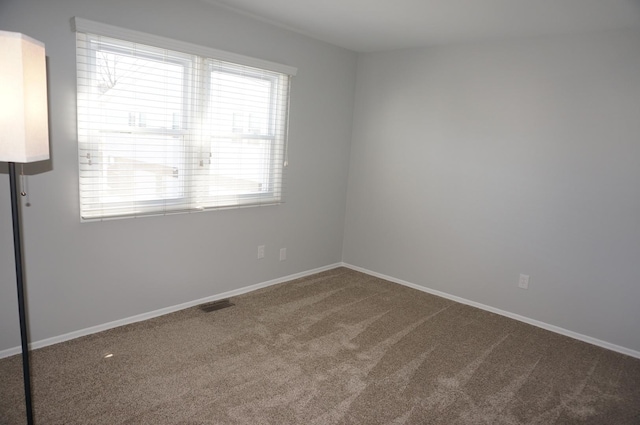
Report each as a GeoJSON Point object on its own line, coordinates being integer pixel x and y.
{"type": "Point", "coordinates": [24, 129]}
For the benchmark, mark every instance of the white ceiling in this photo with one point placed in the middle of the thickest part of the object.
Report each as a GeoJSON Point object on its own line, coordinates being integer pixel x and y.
{"type": "Point", "coordinates": [373, 25]}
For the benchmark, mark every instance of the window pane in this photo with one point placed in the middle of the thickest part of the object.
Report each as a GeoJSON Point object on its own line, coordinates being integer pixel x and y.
{"type": "Point", "coordinates": [238, 103]}
{"type": "Point", "coordinates": [137, 91]}
{"type": "Point", "coordinates": [239, 166]}
{"type": "Point", "coordinates": [240, 109]}
{"type": "Point", "coordinates": [138, 168]}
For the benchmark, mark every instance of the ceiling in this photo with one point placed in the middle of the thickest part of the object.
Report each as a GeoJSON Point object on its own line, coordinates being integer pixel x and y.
{"type": "Point", "coordinates": [374, 25]}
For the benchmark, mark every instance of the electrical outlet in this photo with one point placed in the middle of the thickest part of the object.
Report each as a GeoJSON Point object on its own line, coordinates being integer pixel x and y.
{"type": "Point", "coordinates": [260, 251]}
{"type": "Point", "coordinates": [524, 281]}
{"type": "Point", "coordinates": [283, 254]}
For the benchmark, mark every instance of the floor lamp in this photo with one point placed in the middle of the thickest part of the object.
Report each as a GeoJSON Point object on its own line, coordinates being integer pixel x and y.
{"type": "Point", "coordinates": [24, 137]}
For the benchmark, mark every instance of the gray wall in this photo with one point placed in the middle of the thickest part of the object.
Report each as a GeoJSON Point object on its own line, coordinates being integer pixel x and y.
{"type": "Point", "coordinates": [471, 164]}
{"type": "Point", "coordinates": [82, 275]}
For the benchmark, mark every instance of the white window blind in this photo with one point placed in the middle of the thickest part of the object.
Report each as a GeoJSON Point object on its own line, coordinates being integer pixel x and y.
{"type": "Point", "coordinates": [164, 131]}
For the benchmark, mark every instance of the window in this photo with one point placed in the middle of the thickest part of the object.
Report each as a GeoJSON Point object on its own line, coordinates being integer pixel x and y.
{"type": "Point", "coordinates": [166, 130]}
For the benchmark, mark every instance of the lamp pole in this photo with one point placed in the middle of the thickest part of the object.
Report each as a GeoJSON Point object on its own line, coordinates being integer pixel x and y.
{"type": "Point", "coordinates": [24, 335]}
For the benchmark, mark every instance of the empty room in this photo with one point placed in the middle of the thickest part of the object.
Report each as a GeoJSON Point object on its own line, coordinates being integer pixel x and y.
{"type": "Point", "coordinates": [336, 212]}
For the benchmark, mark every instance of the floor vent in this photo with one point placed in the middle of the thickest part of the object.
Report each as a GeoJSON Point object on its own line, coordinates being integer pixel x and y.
{"type": "Point", "coordinates": [216, 305]}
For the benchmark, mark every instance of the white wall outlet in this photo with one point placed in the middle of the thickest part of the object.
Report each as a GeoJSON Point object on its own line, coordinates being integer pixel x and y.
{"type": "Point", "coordinates": [524, 281]}
{"type": "Point", "coordinates": [260, 251]}
{"type": "Point", "coordinates": [283, 254]}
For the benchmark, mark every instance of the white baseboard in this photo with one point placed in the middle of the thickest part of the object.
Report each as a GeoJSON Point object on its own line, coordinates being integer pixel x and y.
{"type": "Point", "coordinates": [552, 328]}
{"type": "Point", "coordinates": [150, 315]}
{"type": "Point", "coordinates": [246, 289]}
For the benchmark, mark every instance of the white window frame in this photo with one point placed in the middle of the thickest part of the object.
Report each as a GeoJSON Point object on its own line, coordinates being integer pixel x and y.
{"type": "Point", "coordinates": [207, 57]}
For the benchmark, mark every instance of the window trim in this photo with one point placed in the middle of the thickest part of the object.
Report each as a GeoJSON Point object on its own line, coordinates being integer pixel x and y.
{"type": "Point", "coordinates": [99, 29]}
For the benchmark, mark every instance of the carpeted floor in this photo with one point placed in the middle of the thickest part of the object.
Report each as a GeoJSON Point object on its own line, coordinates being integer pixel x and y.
{"type": "Point", "coordinates": [339, 347]}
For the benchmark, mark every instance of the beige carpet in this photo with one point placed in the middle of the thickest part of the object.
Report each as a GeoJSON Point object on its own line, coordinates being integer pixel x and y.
{"type": "Point", "coordinates": [339, 347]}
